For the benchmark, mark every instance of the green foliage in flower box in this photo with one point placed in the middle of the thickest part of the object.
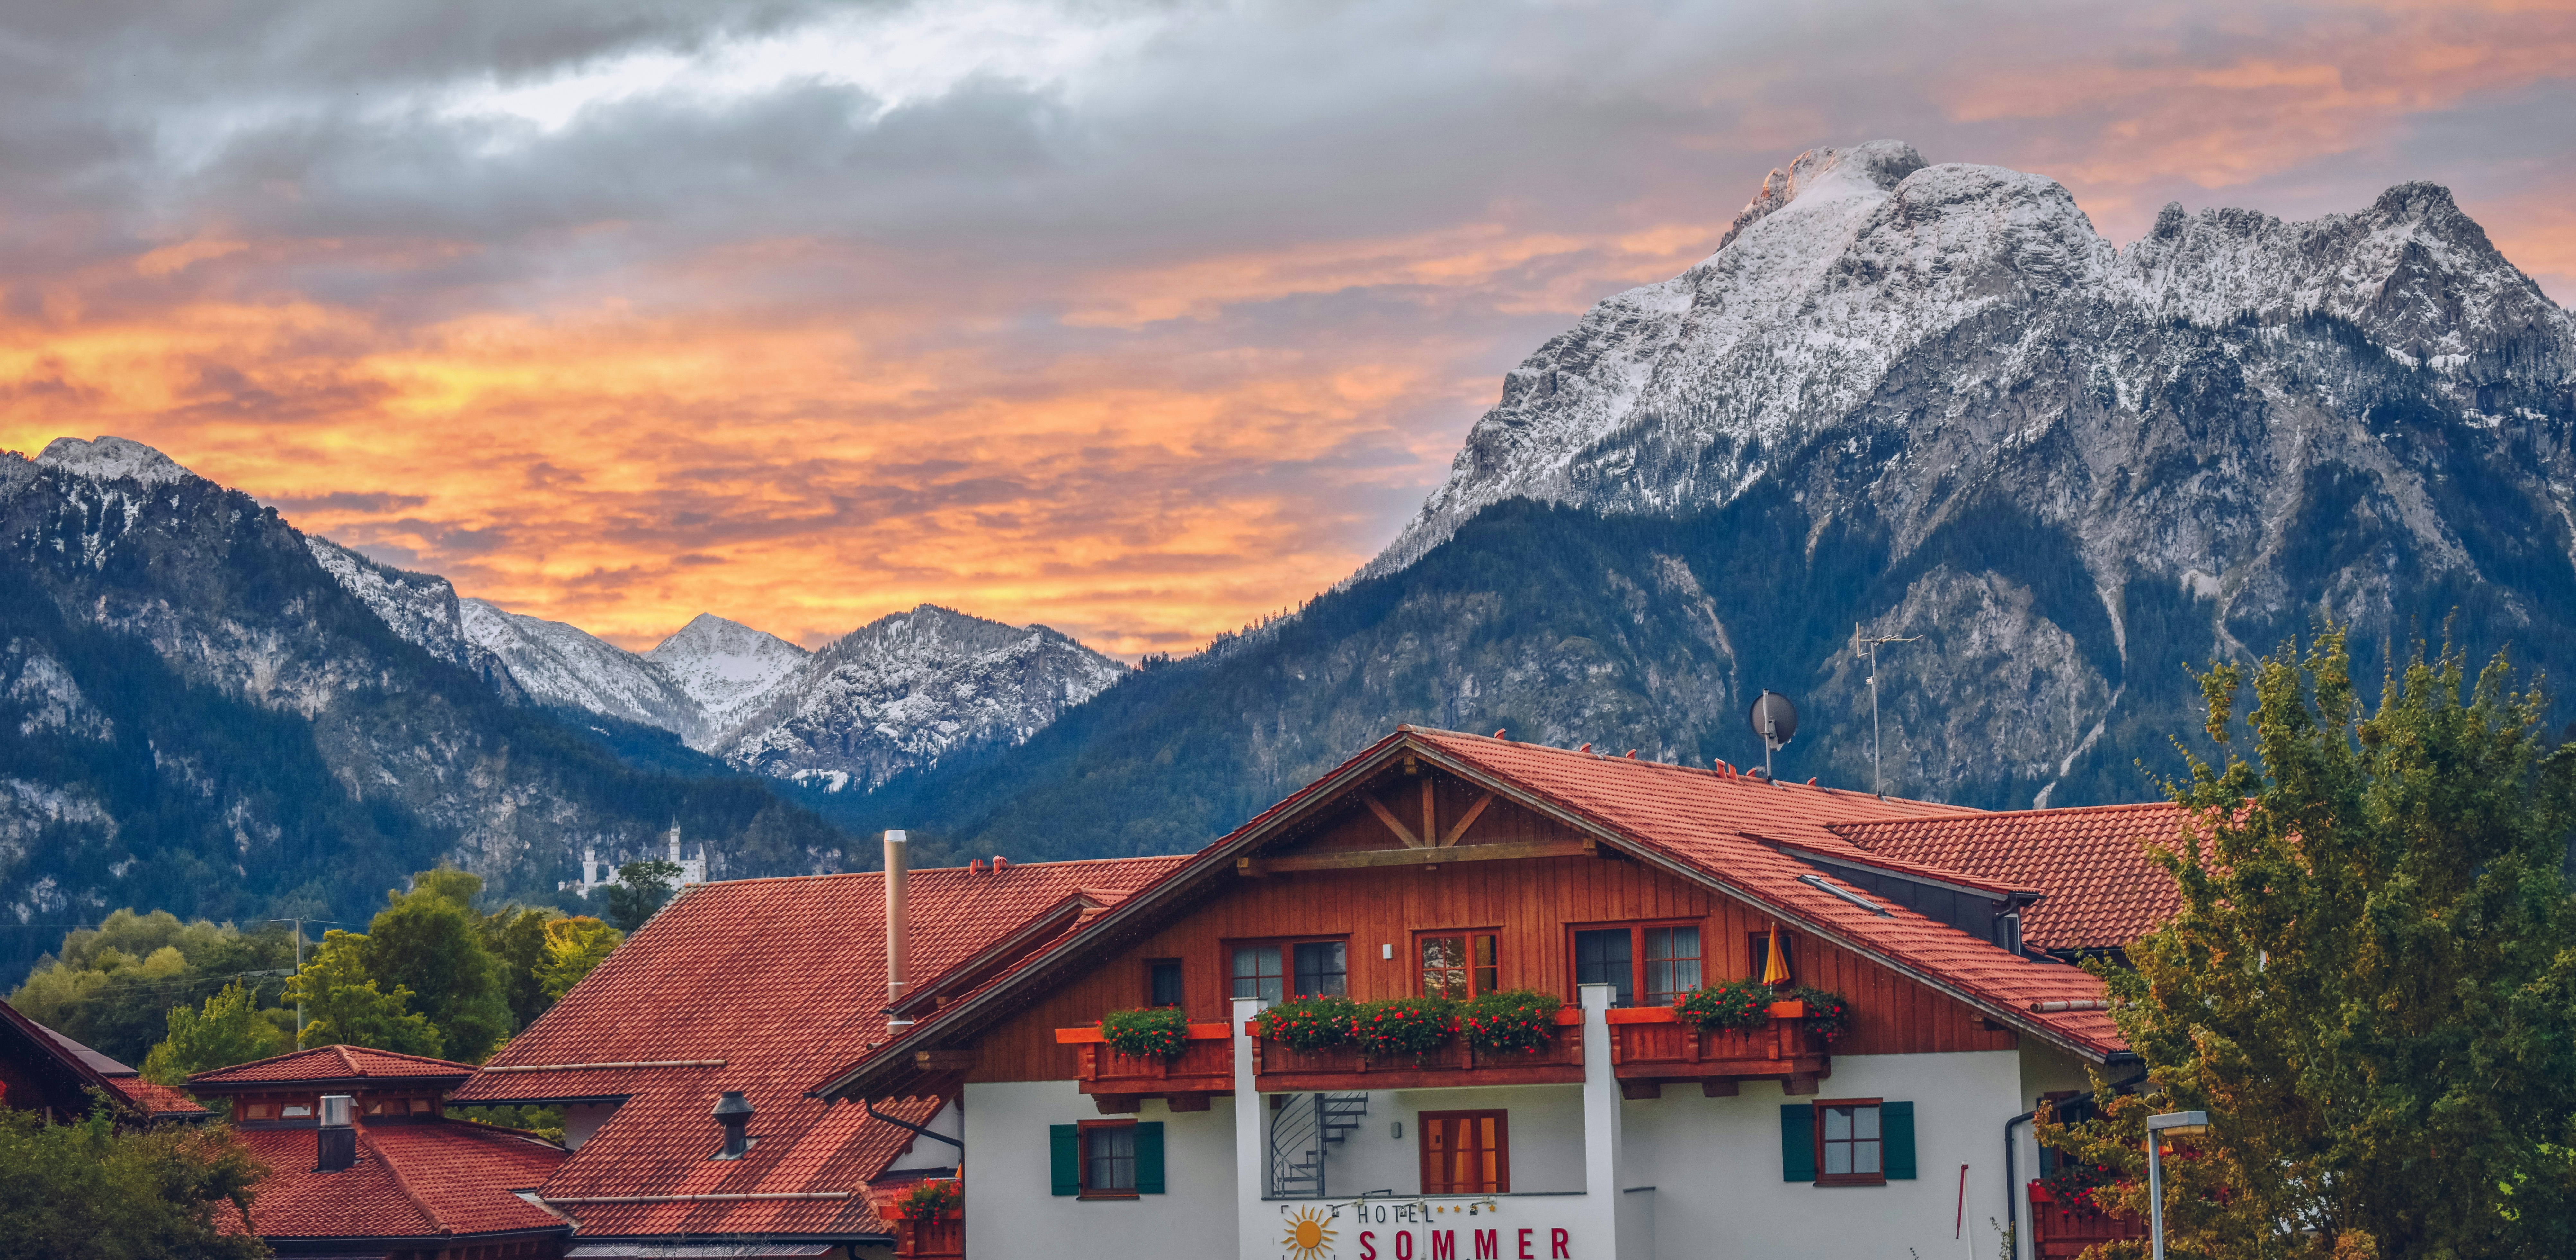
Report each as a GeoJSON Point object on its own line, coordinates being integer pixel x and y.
{"type": "Point", "coordinates": [1396, 1027]}
{"type": "Point", "coordinates": [1521, 1020]}
{"type": "Point", "coordinates": [930, 1200]}
{"type": "Point", "coordinates": [1828, 1014]}
{"type": "Point", "coordinates": [1307, 1024]}
{"type": "Point", "coordinates": [1741, 1005]}
{"type": "Point", "coordinates": [1154, 1032]}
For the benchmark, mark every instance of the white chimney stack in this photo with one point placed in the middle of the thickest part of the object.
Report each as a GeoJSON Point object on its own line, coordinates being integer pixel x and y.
{"type": "Point", "coordinates": [896, 862]}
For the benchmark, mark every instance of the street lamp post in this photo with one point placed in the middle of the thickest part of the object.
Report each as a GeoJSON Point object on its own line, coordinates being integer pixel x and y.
{"type": "Point", "coordinates": [2159, 1127]}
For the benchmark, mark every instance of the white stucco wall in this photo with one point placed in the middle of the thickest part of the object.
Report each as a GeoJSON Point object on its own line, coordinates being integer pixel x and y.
{"type": "Point", "coordinates": [1545, 1128]}
{"type": "Point", "coordinates": [2044, 1069]}
{"type": "Point", "coordinates": [1010, 1212]}
{"type": "Point", "coordinates": [930, 1152]}
{"type": "Point", "coordinates": [1715, 1165]}
{"type": "Point", "coordinates": [582, 1120]}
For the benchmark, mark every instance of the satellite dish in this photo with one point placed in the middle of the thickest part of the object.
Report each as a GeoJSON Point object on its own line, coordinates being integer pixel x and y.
{"type": "Point", "coordinates": [1774, 719]}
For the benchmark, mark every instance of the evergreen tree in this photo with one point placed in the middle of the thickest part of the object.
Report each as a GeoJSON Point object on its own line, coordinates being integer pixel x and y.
{"type": "Point", "coordinates": [2371, 984]}
{"type": "Point", "coordinates": [343, 1006]}
{"type": "Point", "coordinates": [231, 1029]}
{"type": "Point", "coordinates": [573, 948]}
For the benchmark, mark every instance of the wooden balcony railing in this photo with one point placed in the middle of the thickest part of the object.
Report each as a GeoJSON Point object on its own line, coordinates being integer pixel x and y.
{"type": "Point", "coordinates": [1117, 1082]}
{"type": "Point", "coordinates": [1650, 1048]}
{"type": "Point", "coordinates": [940, 1239]}
{"type": "Point", "coordinates": [2060, 1230]}
{"type": "Point", "coordinates": [1455, 1065]}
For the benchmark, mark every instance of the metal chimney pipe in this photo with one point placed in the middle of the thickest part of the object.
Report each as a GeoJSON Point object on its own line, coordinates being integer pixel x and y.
{"type": "Point", "coordinates": [896, 863]}
{"type": "Point", "coordinates": [733, 1111]}
{"type": "Point", "coordinates": [336, 1140]}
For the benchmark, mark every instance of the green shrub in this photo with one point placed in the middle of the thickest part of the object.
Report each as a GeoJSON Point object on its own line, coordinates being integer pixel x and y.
{"type": "Point", "coordinates": [1742, 1005]}
{"type": "Point", "coordinates": [1154, 1032]}
{"type": "Point", "coordinates": [1395, 1027]}
{"type": "Point", "coordinates": [1308, 1024]}
{"type": "Point", "coordinates": [1828, 1015]}
{"type": "Point", "coordinates": [1514, 1019]}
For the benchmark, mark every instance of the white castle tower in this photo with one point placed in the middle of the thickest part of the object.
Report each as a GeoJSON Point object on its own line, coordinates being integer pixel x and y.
{"type": "Point", "coordinates": [596, 874]}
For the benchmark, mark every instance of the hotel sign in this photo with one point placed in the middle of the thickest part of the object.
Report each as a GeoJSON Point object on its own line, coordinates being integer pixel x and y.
{"type": "Point", "coordinates": [1425, 1229]}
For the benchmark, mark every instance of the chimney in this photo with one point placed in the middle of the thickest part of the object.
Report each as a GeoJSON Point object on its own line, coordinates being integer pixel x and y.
{"type": "Point", "coordinates": [896, 862]}
{"type": "Point", "coordinates": [336, 1146]}
{"type": "Point", "coordinates": [734, 1113]}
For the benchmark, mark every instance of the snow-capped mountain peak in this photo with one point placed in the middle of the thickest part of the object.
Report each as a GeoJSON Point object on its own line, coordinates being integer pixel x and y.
{"type": "Point", "coordinates": [725, 666]}
{"type": "Point", "coordinates": [110, 458]}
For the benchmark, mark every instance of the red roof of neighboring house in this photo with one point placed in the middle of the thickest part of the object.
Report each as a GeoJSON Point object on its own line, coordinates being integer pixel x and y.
{"type": "Point", "coordinates": [760, 985]}
{"type": "Point", "coordinates": [67, 1068]}
{"type": "Point", "coordinates": [2100, 890]}
{"type": "Point", "coordinates": [329, 1065]}
{"type": "Point", "coordinates": [413, 1179]}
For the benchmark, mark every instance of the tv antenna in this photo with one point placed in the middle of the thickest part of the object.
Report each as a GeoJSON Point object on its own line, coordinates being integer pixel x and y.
{"type": "Point", "coordinates": [1775, 720]}
{"type": "Point", "coordinates": [1861, 646]}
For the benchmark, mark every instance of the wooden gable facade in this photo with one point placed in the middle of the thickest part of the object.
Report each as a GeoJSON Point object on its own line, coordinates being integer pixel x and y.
{"type": "Point", "coordinates": [1413, 850]}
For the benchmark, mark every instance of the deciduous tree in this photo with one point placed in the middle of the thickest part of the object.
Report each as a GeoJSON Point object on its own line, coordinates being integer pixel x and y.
{"type": "Point", "coordinates": [230, 1029]}
{"type": "Point", "coordinates": [642, 888]}
{"type": "Point", "coordinates": [343, 1006]}
{"type": "Point", "coordinates": [90, 1190]}
{"type": "Point", "coordinates": [429, 941]}
{"type": "Point", "coordinates": [573, 947]}
{"type": "Point", "coordinates": [2371, 984]}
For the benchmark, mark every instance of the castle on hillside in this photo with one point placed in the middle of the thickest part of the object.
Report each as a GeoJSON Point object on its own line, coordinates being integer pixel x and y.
{"type": "Point", "coordinates": [597, 873]}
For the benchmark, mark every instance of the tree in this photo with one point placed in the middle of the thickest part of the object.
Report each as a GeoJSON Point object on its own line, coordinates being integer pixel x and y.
{"type": "Point", "coordinates": [231, 1029]}
{"type": "Point", "coordinates": [90, 1190]}
{"type": "Point", "coordinates": [111, 987]}
{"type": "Point", "coordinates": [573, 947]}
{"type": "Point", "coordinates": [641, 889]}
{"type": "Point", "coordinates": [343, 1006]}
{"type": "Point", "coordinates": [516, 937]}
{"type": "Point", "coordinates": [429, 941]}
{"type": "Point", "coordinates": [2371, 984]}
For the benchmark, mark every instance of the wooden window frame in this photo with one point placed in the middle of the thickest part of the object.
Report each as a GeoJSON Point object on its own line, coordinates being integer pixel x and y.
{"type": "Point", "coordinates": [1082, 1160]}
{"type": "Point", "coordinates": [1469, 935]}
{"type": "Point", "coordinates": [1757, 945]}
{"type": "Point", "coordinates": [1287, 946]}
{"type": "Point", "coordinates": [1151, 964]}
{"type": "Point", "coordinates": [1502, 1147]}
{"type": "Point", "coordinates": [1636, 929]}
{"type": "Point", "coordinates": [1817, 1124]}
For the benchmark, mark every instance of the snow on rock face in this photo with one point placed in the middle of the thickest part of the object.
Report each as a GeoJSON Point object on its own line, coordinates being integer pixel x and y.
{"type": "Point", "coordinates": [111, 458]}
{"type": "Point", "coordinates": [561, 665]}
{"type": "Point", "coordinates": [725, 666]}
{"type": "Point", "coordinates": [905, 690]}
{"type": "Point", "coordinates": [421, 607]}
{"type": "Point", "coordinates": [1864, 296]}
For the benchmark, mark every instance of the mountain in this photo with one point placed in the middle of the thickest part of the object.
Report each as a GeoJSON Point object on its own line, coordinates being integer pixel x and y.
{"type": "Point", "coordinates": [197, 714]}
{"type": "Point", "coordinates": [725, 667]}
{"type": "Point", "coordinates": [906, 690]}
{"type": "Point", "coordinates": [1912, 401]}
{"type": "Point", "coordinates": [560, 665]}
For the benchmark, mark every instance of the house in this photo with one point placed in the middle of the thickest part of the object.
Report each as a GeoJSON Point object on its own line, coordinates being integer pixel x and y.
{"type": "Point", "coordinates": [768, 1066]}
{"type": "Point", "coordinates": [738, 997]}
{"type": "Point", "coordinates": [1449, 863]}
{"type": "Point", "coordinates": [364, 1162]}
{"type": "Point", "coordinates": [42, 1070]}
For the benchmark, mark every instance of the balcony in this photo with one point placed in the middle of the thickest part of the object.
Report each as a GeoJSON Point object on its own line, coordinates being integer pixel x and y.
{"type": "Point", "coordinates": [1276, 1069]}
{"type": "Point", "coordinates": [1117, 1082]}
{"type": "Point", "coordinates": [1650, 1049]}
{"type": "Point", "coordinates": [2060, 1230]}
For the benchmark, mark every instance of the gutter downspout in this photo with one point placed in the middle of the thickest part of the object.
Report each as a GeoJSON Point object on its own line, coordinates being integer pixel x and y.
{"type": "Point", "coordinates": [2012, 1187]}
{"type": "Point", "coordinates": [870, 1106]}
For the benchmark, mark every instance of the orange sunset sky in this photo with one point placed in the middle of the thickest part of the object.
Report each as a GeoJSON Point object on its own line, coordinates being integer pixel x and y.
{"type": "Point", "coordinates": [1140, 320]}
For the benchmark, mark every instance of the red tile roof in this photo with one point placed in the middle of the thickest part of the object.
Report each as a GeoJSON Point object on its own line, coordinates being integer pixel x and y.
{"type": "Point", "coordinates": [2100, 891]}
{"type": "Point", "coordinates": [329, 1064]}
{"type": "Point", "coordinates": [157, 1101]}
{"type": "Point", "coordinates": [413, 1179]}
{"type": "Point", "coordinates": [759, 985]}
{"type": "Point", "coordinates": [71, 1068]}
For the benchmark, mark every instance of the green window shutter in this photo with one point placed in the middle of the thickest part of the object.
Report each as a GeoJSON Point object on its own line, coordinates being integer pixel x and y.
{"type": "Point", "coordinates": [1798, 1142]}
{"type": "Point", "coordinates": [1896, 1128]}
{"type": "Point", "coordinates": [1064, 1157]}
{"type": "Point", "coordinates": [1149, 1157]}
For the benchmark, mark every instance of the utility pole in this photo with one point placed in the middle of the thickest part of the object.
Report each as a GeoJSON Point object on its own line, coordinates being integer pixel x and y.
{"type": "Point", "coordinates": [1877, 764]}
{"type": "Point", "coordinates": [299, 970]}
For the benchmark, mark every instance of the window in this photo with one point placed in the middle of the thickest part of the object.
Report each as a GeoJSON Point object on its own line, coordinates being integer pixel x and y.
{"type": "Point", "coordinates": [1603, 956]}
{"type": "Point", "coordinates": [1757, 946]}
{"type": "Point", "coordinates": [1460, 965]}
{"type": "Point", "coordinates": [1105, 1159]}
{"type": "Point", "coordinates": [1108, 1158]}
{"type": "Point", "coordinates": [1847, 1142]}
{"type": "Point", "coordinates": [1659, 962]}
{"type": "Point", "coordinates": [1163, 982]}
{"type": "Point", "coordinates": [1465, 1152]}
{"type": "Point", "coordinates": [1314, 969]}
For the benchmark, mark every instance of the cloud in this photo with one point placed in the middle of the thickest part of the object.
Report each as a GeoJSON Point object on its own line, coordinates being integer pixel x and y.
{"type": "Point", "coordinates": [1139, 319]}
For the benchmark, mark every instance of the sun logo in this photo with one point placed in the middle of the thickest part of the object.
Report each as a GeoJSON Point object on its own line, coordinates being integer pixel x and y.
{"type": "Point", "coordinates": [1309, 1238]}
